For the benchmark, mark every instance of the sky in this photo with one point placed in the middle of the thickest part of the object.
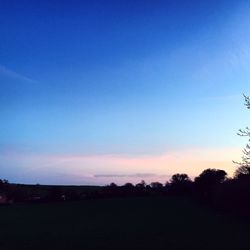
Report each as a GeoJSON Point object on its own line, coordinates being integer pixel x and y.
{"type": "Point", "coordinates": [93, 92]}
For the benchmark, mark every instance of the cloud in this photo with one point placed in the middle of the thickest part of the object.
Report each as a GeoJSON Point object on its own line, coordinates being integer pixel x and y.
{"type": "Point", "coordinates": [140, 175]}
{"type": "Point", "coordinates": [12, 74]}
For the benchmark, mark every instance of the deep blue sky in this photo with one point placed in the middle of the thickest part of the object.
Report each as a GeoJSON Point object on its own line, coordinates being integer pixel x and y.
{"type": "Point", "coordinates": [121, 78]}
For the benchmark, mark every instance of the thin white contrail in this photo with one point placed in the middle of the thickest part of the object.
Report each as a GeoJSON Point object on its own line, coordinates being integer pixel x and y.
{"type": "Point", "coordinates": [12, 74]}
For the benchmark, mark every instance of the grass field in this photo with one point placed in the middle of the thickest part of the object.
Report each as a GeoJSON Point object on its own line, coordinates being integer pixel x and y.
{"type": "Point", "coordinates": [129, 223]}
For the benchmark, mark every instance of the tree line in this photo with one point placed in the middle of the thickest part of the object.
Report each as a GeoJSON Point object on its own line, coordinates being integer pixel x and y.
{"type": "Point", "coordinates": [212, 186]}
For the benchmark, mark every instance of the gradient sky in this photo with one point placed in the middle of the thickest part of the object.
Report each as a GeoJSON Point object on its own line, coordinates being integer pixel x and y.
{"type": "Point", "coordinates": [99, 91]}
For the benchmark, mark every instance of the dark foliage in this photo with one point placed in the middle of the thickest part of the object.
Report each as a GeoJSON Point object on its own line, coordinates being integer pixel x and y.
{"type": "Point", "coordinates": [180, 184]}
{"type": "Point", "coordinates": [211, 187]}
{"type": "Point", "coordinates": [208, 182]}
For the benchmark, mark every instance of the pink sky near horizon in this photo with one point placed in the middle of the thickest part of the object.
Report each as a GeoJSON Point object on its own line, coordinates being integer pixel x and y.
{"type": "Point", "coordinates": [106, 168]}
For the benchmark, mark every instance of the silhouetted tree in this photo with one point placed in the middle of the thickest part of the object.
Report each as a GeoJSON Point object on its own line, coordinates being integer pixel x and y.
{"type": "Point", "coordinates": [179, 184]}
{"type": "Point", "coordinates": [128, 185]}
{"type": "Point", "coordinates": [141, 185]}
{"type": "Point", "coordinates": [111, 190]}
{"type": "Point", "coordinates": [244, 165]}
{"type": "Point", "coordinates": [128, 188]}
{"type": "Point", "coordinates": [242, 171]}
{"type": "Point", "coordinates": [207, 182]}
{"type": "Point", "coordinates": [210, 177]}
{"type": "Point", "coordinates": [179, 178]}
{"type": "Point", "coordinates": [112, 185]}
{"type": "Point", "coordinates": [240, 185]}
{"type": "Point", "coordinates": [156, 185]}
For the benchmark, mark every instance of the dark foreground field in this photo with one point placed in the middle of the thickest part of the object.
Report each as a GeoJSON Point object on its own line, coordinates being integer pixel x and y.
{"type": "Point", "coordinates": [129, 223]}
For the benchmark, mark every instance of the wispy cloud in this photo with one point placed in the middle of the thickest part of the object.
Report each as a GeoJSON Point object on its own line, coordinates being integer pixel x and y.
{"type": "Point", "coordinates": [14, 75]}
{"type": "Point", "coordinates": [140, 175]}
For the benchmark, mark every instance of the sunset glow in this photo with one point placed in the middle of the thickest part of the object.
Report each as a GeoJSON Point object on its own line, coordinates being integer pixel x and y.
{"type": "Point", "coordinates": [94, 92]}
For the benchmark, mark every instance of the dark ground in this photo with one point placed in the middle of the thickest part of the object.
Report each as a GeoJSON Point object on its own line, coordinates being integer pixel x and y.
{"type": "Point", "coordinates": [128, 223]}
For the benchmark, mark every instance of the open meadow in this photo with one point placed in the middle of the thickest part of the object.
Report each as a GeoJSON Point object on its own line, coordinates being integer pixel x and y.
{"type": "Point", "coordinates": [128, 223]}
